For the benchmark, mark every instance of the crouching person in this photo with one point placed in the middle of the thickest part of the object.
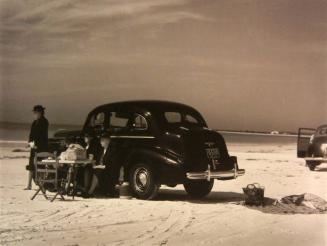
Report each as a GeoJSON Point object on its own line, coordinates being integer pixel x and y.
{"type": "Point", "coordinates": [106, 172]}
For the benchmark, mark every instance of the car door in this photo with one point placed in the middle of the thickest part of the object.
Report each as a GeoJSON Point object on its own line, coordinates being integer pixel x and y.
{"type": "Point", "coordinates": [303, 141]}
{"type": "Point", "coordinates": [129, 131]}
{"type": "Point", "coordinates": [137, 133]}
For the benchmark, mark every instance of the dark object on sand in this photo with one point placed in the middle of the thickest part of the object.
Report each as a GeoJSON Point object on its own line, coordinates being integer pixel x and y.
{"type": "Point", "coordinates": [293, 199]}
{"type": "Point", "coordinates": [312, 146]}
{"type": "Point", "coordinates": [307, 200]}
{"type": "Point", "coordinates": [160, 143]}
{"type": "Point", "coordinates": [254, 194]}
{"type": "Point", "coordinates": [20, 150]}
{"type": "Point", "coordinates": [294, 204]}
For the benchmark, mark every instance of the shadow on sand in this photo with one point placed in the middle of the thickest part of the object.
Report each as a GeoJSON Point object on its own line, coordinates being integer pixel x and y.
{"type": "Point", "coordinates": [213, 197]}
{"type": "Point", "coordinates": [271, 205]}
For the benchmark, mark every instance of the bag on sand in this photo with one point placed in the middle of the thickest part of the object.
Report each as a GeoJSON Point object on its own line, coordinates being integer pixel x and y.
{"type": "Point", "coordinates": [74, 152]}
{"type": "Point", "coordinates": [254, 194]}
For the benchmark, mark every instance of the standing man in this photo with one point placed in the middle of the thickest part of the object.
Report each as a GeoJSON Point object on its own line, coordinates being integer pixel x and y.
{"type": "Point", "coordinates": [38, 139]}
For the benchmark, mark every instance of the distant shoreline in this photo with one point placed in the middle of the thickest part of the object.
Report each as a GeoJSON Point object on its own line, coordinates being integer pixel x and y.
{"type": "Point", "coordinates": [11, 132]}
{"type": "Point", "coordinates": [19, 141]}
{"type": "Point", "coordinates": [16, 125]}
{"type": "Point", "coordinates": [253, 133]}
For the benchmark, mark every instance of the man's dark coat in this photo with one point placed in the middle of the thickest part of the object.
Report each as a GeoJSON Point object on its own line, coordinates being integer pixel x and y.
{"type": "Point", "coordinates": [110, 174]}
{"type": "Point", "coordinates": [38, 134]}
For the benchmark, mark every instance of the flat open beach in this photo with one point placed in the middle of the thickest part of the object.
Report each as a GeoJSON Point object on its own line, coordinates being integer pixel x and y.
{"type": "Point", "coordinates": [173, 218]}
{"type": "Point", "coordinates": [138, 83]}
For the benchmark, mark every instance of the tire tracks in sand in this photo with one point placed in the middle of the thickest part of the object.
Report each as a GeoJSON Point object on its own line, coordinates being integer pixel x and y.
{"type": "Point", "coordinates": [174, 223]}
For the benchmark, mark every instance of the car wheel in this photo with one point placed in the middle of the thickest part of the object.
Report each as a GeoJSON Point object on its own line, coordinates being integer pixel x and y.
{"type": "Point", "coordinates": [312, 165]}
{"type": "Point", "coordinates": [198, 188]}
{"type": "Point", "coordinates": [142, 181]}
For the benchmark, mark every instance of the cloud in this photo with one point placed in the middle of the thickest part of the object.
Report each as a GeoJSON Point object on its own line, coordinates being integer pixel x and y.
{"type": "Point", "coordinates": [199, 52]}
{"type": "Point", "coordinates": [39, 28]}
{"type": "Point", "coordinates": [48, 16]}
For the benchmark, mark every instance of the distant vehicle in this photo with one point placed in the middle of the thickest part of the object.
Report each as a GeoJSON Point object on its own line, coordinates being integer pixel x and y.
{"type": "Point", "coordinates": [162, 143]}
{"type": "Point", "coordinates": [274, 132]}
{"type": "Point", "coordinates": [312, 146]}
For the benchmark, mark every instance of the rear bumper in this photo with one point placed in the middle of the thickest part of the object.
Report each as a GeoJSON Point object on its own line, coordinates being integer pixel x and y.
{"type": "Point", "coordinates": [212, 174]}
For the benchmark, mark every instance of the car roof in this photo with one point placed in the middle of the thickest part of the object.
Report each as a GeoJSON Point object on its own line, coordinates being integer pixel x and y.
{"type": "Point", "coordinates": [150, 105]}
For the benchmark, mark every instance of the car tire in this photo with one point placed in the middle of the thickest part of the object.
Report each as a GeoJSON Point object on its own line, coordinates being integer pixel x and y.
{"type": "Point", "coordinates": [142, 180]}
{"type": "Point", "coordinates": [198, 188]}
{"type": "Point", "coordinates": [312, 165]}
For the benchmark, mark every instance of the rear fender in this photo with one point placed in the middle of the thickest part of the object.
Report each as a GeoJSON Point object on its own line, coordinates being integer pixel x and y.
{"type": "Point", "coordinates": [167, 170]}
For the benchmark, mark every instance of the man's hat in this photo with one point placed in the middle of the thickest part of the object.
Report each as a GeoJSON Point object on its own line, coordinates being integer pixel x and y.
{"type": "Point", "coordinates": [38, 108]}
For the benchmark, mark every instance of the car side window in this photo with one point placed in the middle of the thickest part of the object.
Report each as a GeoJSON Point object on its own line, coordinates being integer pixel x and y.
{"type": "Point", "coordinates": [173, 117]}
{"type": "Point", "coordinates": [118, 120]}
{"type": "Point", "coordinates": [97, 120]}
{"type": "Point", "coordinates": [91, 121]}
{"type": "Point", "coordinates": [139, 122]}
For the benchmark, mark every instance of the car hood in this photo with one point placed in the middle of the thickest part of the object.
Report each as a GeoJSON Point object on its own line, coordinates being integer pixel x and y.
{"type": "Point", "coordinates": [67, 133]}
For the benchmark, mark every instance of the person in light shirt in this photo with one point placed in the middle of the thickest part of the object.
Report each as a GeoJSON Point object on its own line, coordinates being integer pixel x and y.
{"type": "Point", "coordinates": [93, 149]}
{"type": "Point", "coordinates": [106, 172]}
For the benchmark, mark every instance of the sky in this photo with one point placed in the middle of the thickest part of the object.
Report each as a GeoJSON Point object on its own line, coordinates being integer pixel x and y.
{"type": "Point", "coordinates": [244, 64]}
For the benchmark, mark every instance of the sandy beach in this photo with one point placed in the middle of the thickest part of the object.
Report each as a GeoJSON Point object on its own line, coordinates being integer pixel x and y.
{"type": "Point", "coordinates": [172, 218]}
{"type": "Point", "coordinates": [152, 81]}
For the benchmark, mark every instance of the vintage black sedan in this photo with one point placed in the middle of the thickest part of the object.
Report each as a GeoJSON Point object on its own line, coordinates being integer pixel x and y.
{"type": "Point", "coordinates": [312, 146]}
{"type": "Point", "coordinates": [161, 143]}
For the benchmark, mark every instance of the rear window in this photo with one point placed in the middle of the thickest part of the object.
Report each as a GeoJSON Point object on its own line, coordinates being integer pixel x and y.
{"type": "Point", "coordinates": [181, 118]}
{"type": "Point", "coordinates": [191, 119]}
{"type": "Point", "coordinates": [173, 117]}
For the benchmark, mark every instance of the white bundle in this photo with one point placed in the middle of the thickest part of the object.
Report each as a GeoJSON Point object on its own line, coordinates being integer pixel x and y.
{"type": "Point", "coordinates": [74, 152]}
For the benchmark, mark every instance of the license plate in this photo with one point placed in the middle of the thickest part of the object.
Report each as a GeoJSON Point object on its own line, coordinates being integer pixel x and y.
{"type": "Point", "coordinates": [213, 153]}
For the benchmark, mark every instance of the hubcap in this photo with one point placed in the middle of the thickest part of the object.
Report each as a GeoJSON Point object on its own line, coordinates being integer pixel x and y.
{"type": "Point", "coordinates": [141, 179]}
